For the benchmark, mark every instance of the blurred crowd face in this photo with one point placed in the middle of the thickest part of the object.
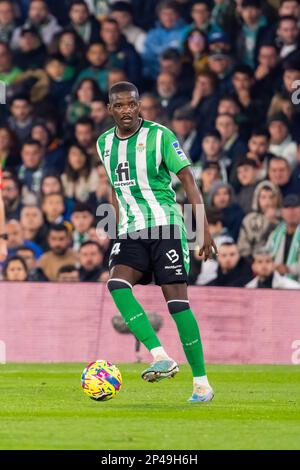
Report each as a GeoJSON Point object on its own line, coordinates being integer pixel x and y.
{"type": "Point", "coordinates": [7, 14]}
{"type": "Point", "coordinates": [76, 158]}
{"type": "Point", "coordinates": [72, 276]}
{"type": "Point", "coordinates": [219, 65]}
{"type": "Point", "coordinates": [212, 147]}
{"type": "Point", "coordinates": [123, 18]}
{"type": "Point", "coordinates": [200, 14]}
{"type": "Point", "coordinates": [288, 31]}
{"type": "Point", "coordinates": [226, 126]}
{"type": "Point", "coordinates": [15, 271]}
{"type": "Point", "coordinates": [50, 185]}
{"type": "Point", "coordinates": [82, 221]}
{"type": "Point", "coordinates": [227, 106]}
{"type": "Point", "coordinates": [39, 133]}
{"type": "Point", "coordinates": [79, 14]}
{"type": "Point", "coordinates": [166, 85]}
{"type": "Point", "coordinates": [150, 108]}
{"type": "Point", "coordinates": [228, 257]}
{"type": "Point", "coordinates": [28, 257]}
{"type": "Point", "coordinates": [208, 176]}
{"type": "Point", "coordinates": [5, 59]}
{"type": "Point", "coordinates": [278, 131]}
{"type": "Point", "coordinates": [97, 55]}
{"type": "Point", "coordinates": [67, 44]}
{"type": "Point", "coordinates": [90, 257]}
{"type": "Point", "coordinates": [258, 145]}
{"type": "Point", "coordinates": [279, 172]}
{"type": "Point", "coordinates": [110, 34]}
{"type": "Point", "coordinates": [221, 198]}
{"type": "Point", "coordinates": [205, 83]}
{"type": "Point", "coordinates": [55, 69]}
{"type": "Point", "coordinates": [38, 11]}
{"type": "Point", "coordinates": [168, 17]}
{"type": "Point", "coordinates": [84, 134]}
{"type": "Point", "coordinates": [183, 127]}
{"type": "Point", "coordinates": [59, 242]}
{"type": "Point", "coordinates": [290, 8]}
{"type": "Point", "coordinates": [31, 218]}
{"type": "Point", "coordinates": [101, 237]}
{"type": "Point", "coordinates": [289, 77]}
{"type": "Point", "coordinates": [5, 139]}
{"type": "Point", "coordinates": [242, 82]}
{"type": "Point", "coordinates": [15, 234]}
{"type": "Point", "coordinates": [20, 110]}
{"type": "Point", "coordinates": [85, 92]}
{"type": "Point", "coordinates": [116, 76]}
{"type": "Point", "coordinates": [99, 111]}
{"type": "Point", "coordinates": [246, 175]}
{"type": "Point", "coordinates": [250, 14]}
{"type": "Point", "coordinates": [170, 66]}
{"type": "Point", "coordinates": [10, 192]}
{"type": "Point", "coordinates": [266, 200]}
{"type": "Point", "coordinates": [31, 156]}
{"type": "Point", "coordinates": [291, 215]}
{"type": "Point", "coordinates": [53, 206]}
{"type": "Point", "coordinates": [268, 57]}
{"type": "Point", "coordinates": [196, 43]}
{"type": "Point", "coordinates": [29, 41]}
{"type": "Point", "coordinates": [263, 266]}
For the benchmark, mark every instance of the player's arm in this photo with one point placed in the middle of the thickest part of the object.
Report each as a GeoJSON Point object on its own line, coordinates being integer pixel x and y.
{"type": "Point", "coordinates": [3, 244]}
{"type": "Point", "coordinates": [194, 197]}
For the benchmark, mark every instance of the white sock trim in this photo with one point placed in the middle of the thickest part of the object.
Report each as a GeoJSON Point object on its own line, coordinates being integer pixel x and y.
{"type": "Point", "coordinates": [121, 280]}
{"type": "Point", "coordinates": [176, 300]}
{"type": "Point", "coordinates": [203, 380]}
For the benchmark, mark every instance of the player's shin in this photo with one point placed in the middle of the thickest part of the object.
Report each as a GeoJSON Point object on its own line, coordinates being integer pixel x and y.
{"type": "Point", "coordinates": [133, 313]}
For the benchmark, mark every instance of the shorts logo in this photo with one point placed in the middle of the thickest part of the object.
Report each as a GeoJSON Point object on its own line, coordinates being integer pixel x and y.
{"type": "Point", "coordinates": [179, 150]}
{"type": "Point", "coordinates": [173, 256]}
{"type": "Point", "coordinates": [122, 172]}
{"type": "Point", "coordinates": [178, 272]}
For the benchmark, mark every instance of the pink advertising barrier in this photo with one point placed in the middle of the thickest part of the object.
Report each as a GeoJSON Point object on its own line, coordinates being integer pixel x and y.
{"type": "Point", "coordinates": [72, 322]}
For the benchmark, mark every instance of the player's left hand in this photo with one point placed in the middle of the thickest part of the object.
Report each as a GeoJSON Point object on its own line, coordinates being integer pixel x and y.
{"type": "Point", "coordinates": [209, 247]}
{"type": "Point", "coordinates": [3, 251]}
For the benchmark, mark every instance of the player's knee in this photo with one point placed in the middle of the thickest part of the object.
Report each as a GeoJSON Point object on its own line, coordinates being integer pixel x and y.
{"type": "Point", "coordinates": [113, 284]}
{"type": "Point", "coordinates": [176, 306]}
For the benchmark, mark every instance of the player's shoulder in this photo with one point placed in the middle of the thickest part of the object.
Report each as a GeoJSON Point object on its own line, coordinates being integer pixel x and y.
{"type": "Point", "coordinates": [155, 126]}
{"type": "Point", "coordinates": [101, 139]}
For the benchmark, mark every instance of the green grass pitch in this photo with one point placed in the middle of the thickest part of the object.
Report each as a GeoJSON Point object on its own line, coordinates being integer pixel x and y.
{"type": "Point", "coordinates": [255, 407]}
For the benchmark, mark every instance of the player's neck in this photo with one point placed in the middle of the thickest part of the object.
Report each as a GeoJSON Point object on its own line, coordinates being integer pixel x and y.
{"type": "Point", "coordinates": [123, 134]}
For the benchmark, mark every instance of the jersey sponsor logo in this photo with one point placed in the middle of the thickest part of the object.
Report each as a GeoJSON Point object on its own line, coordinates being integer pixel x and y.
{"type": "Point", "coordinates": [179, 150]}
{"type": "Point", "coordinates": [123, 174]}
{"type": "Point", "coordinates": [106, 153]}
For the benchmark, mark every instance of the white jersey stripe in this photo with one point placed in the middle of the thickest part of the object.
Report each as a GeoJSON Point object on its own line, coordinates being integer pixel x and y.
{"type": "Point", "coordinates": [158, 149]}
{"type": "Point", "coordinates": [142, 177]}
{"type": "Point", "coordinates": [140, 222]}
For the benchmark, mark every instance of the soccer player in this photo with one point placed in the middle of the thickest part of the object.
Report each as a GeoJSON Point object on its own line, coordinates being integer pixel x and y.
{"type": "Point", "coordinates": [3, 235]}
{"type": "Point", "coordinates": [138, 156]}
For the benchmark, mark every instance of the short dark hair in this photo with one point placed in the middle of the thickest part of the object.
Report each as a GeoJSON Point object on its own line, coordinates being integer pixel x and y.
{"type": "Point", "coordinates": [85, 121]}
{"type": "Point", "coordinates": [291, 64]}
{"type": "Point", "coordinates": [120, 87]}
{"type": "Point", "coordinates": [244, 69]}
{"type": "Point", "coordinates": [77, 2]}
{"type": "Point", "coordinates": [287, 18]}
{"type": "Point", "coordinates": [260, 132]}
{"type": "Point", "coordinates": [244, 161]}
{"type": "Point", "coordinates": [167, 4]}
{"type": "Point", "coordinates": [275, 158]}
{"type": "Point", "coordinates": [83, 207]}
{"type": "Point", "coordinates": [46, 196]}
{"type": "Point", "coordinates": [170, 54]}
{"type": "Point", "coordinates": [91, 243]}
{"type": "Point", "coordinates": [251, 3]}
{"type": "Point", "coordinates": [25, 248]}
{"type": "Point", "coordinates": [68, 268]}
{"type": "Point", "coordinates": [10, 260]}
{"type": "Point", "coordinates": [58, 228]}
{"type": "Point", "coordinates": [32, 142]}
{"type": "Point", "coordinates": [214, 215]}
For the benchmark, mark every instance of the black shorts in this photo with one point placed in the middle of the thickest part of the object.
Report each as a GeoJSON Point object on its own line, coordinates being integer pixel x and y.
{"type": "Point", "coordinates": [160, 253]}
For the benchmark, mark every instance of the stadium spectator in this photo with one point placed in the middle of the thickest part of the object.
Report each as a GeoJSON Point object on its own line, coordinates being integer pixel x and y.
{"type": "Point", "coordinates": [247, 179]}
{"type": "Point", "coordinates": [209, 175]}
{"type": "Point", "coordinates": [233, 270]}
{"type": "Point", "coordinates": [34, 273]}
{"type": "Point", "coordinates": [21, 119]}
{"type": "Point", "coordinates": [39, 17]}
{"type": "Point", "coordinates": [116, 75]}
{"type": "Point", "coordinates": [33, 227]}
{"type": "Point", "coordinates": [84, 133]}
{"type": "Point", "coordinates": [100, 116]}
{"type": "Point", "coordinates": [60, 253]}
{"type": "Point", "coordinates": [171, 61]}
{"type": "Point", "coordinates": [213, 152]}
{"type": "Point", "coordinates": [122, 13]}
{"type": "Point", "coordinates": [262, 220]}
{"type": "Point", "coordinates": [71, 48]}
{"type": "Point", "coordinates": [60, 81]}
{"type": "Point", "coordinates": [221, 197]}
{"type": "Point", "coordinates": [184, 126]}
{"type": "Point", "coordinates": [233, 145]}
{"type": "Point", "coordinates": [12, 198]}
{"type": "Point", "coordinates": [15, 270]}
{"type": "Point", "coordinates": [79, 178]}
{"type": "Point", "coordinates": [287, 36]}
{"type": "Point", "coordinates": [9, 157]}
{"type": "Point", "coordinates": [167, 89]}
{"type": "Point", "coordinates": [151, 109]}
{"type": "Point", "coordinates": [268, 71]}
{"type": "Point", "coordinates": [16, 239]}
{"type": "Point", "coordinates": [31, 171]}
{"type": "Point", "coordinates": [53, 207]}
{"type": "Point", "coordinates": [201, 16]}
{"type": "Point", "coordinates": [30, 51]}
{"type": "Point", "coordinates": [168, 32]}
{"type": "Point", "coordinates": [289, 8]}
{"type": "Point", "coordinates": [84, 24]}
{"type": "Point", "coordinates": [8, 20]}
{"type": "Point", "coordinates": [83, 94]}
{"type": "Point", "coordinates": [102, 194]}
{"type": "Point", "coordinates": [258, 145]}
{"type": "Point", "coordinates": [267, 277]}
{"type": "Point", "coordinates": [284, 241]}
{"type": "Point", "coordinates": [91, 262]}
{"type": "Point", "coordinates": [68, 273]}
{"type": "Point", "coordinates": [195, 50]}
{"type": "Point", "coordinates": [220, 63]}
{"type": "Point", "coordinates": [8, 71]}
{"type": "Point", "coordinates": [204, 99]}
{"type": "Point", "coordinates": [54, 151]}
{"type": "Point", "coordinates": [296, 172]}
{"type": "Point", "coordinates": [122, 54]}
{"type": "Point", "coordinates": [280, 174]}
{"type": "Point", "coordinates": [282, 103]}
{"type": "Point", "coordinates": [281, 143]}
{"type": "Point", "coordinates": [82, 219]}
{"type": "Point", "coordinates": [98, 67]}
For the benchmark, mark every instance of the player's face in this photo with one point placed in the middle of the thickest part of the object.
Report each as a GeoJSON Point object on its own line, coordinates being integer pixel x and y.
{"type": "Point", "coordinates": [263, 266]}
{"type": "Point", "coordinates": [125, 109]}
{"type": "Point", "coordinates": [16, 271]}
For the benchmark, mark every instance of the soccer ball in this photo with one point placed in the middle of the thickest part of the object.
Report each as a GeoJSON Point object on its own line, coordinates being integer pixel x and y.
{"type": "Point", "coordinates": [101, 380]}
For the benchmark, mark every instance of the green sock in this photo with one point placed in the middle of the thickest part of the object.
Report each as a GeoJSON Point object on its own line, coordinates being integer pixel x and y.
{"type": "Point", "coordinates": [135, 317]}
{"type": "Point", "coordinates": [190, 338]}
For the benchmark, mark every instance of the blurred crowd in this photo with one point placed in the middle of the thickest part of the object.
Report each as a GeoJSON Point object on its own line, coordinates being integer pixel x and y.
{"type": "Point", "coordinates": [224, 75]}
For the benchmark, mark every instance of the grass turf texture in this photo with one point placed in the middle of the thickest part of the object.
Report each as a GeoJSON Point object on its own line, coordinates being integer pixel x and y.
{"type": "Point", "coordinates": [255, 407]}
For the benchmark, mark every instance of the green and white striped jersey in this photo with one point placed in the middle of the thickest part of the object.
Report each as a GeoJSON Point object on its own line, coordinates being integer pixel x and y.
{"type": "Point", "coordinates": [138, 168]}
